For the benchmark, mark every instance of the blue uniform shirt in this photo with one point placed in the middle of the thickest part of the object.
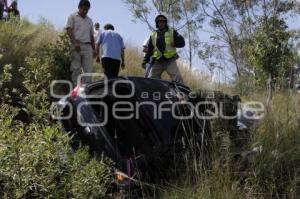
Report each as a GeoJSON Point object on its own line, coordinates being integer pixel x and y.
{"type": "Point", "coordinates": [111, 43]}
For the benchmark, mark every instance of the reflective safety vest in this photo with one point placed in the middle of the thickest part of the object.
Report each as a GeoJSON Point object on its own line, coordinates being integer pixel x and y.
{"type": "Point", "coordinates": [169, 50]}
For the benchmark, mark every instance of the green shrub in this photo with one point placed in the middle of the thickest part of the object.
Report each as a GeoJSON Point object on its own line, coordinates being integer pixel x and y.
{"type": "Point", "coordinates": [37, 162]}
{"type": "Point", "coordinates": [20, 39]}
{"type": "Point", "coordinates": [59, 55]}
{"type": "Point", "coordinates": [245, 85]}
{"type": "Point", "coordinates": [36, 158]}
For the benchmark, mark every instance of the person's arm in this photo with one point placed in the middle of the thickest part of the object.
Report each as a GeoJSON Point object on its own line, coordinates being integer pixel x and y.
{"type": "Point", "coordinates": [69, 27]}
{"type": "Point", "coordinates": [122, 53]}
{"type": "Point", "coordinates": [5, 4]}
{"type": "Point", "coordinates": [72, 38]}
{"type": "Point", "coordinates": [149, 53]}
{"type": "Point", "coordinates": [70, 34]}
{"type": "Point", "coordinates": [98, 42]}
{"type": "Point", "coordinates": [93, 45]}
{"type": "Point", "coordinates": [93, 40]}
{"type": "Point", "coordinates": [178, 40]}
{"type": "Point", "coordinates": [123, 58]}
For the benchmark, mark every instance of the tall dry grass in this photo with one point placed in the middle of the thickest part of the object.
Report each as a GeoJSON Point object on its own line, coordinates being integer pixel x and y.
{"type": "Point", "coordinates": [272, 172]}
{"type": "Point", "coordinates": [134, 59]}
{"type": "Point", "coordinates": [270, 163]}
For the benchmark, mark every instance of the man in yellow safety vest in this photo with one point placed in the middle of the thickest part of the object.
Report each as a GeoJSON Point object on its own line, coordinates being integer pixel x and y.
{"type": "Point", "coordinates": [162, 48]}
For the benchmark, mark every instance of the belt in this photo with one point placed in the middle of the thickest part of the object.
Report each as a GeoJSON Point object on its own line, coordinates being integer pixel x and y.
{"type": "Point", "coordinates": [85, 42]}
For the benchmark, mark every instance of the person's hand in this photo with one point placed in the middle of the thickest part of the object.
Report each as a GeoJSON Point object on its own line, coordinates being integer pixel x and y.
{"type": "Point", "coordinates": [77, 45]}
{"type": "Point", "coordinates": [143, 65]}
{"type": "Point", "coordinates": [98, 59]}
{"type": "Point", "coordinates": [94, 54]}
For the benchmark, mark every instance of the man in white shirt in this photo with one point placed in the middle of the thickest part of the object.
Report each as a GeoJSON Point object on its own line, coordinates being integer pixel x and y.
{"type": "Point", "coordinates": [3, 5]}
{"type": "Point", "coordinates": [80, 29]}
{"type": "Point", "coordinates": [97, 31]}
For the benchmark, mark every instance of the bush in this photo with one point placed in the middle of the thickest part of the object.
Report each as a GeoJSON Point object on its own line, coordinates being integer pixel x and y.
{"type": "Point", "coordinates": [59, 58]}
{"type": "Point", "coordinates": [36, 162]}
{"type": "Point", "coordinates": [36, 158]}
{"type": "Point", "coordinates": [27, 39]}
{"type": "Point", "coordinates": [245, 85]}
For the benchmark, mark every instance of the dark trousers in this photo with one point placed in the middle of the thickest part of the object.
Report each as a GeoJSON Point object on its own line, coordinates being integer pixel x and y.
{"type": "Point", "coordinates": [111, 67]}
{"type": "Point", "coordinates": [1, 11]}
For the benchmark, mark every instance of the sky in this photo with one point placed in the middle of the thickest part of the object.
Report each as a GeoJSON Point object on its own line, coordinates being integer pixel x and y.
{"type": "Point", "coordinates": [103, 11]}
{"type": "Point", "coordinates": [112, 11]}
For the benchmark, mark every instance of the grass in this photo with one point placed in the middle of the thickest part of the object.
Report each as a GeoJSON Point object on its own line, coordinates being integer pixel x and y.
{"type": "Point", "coordinates": [273, 172]}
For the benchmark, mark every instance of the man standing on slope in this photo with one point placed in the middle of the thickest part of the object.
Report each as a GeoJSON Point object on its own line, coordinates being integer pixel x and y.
{"type": "Point", "coordinates": [97, 31]}
{"type": "Point", "coordinates": [112, 51]}
{"type": "Point", "coordinates": [162, 48]}
{"type": "Point", "coordinates": [3, 5]}
{"type": "Point", "coordinates": [12, 11]}
{"type": "Point", "coordinates": [81, 32]}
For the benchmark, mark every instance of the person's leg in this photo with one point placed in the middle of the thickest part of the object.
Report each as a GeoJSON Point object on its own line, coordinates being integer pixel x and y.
{"type": "Point", "coordinates": [157, 70]}
{"type": "Point", "coordinates": [75, 66]}
{"type": "Point", "coordinates": [148, 70]}
{"type": "Point", "coordinates": [115, 67]}
{"type": "Point", "coordinates": [111, 67]}
{"type": "Point", "coordinates": [106, 65]}
{"type": "Point", "coordinates": [1, 11]}
{"type": "Point", "coordinates": [87, 61]}
{"type": "Point", "coordinates": [173, 71]}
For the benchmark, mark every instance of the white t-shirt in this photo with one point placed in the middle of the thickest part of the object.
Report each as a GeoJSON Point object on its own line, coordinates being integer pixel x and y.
{"type": "Point", "coordinates": [83, 28]}
{"type": "Point", "coordinates": [97, 35]}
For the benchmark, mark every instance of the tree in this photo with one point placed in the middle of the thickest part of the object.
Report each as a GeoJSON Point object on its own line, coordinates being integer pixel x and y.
{"type": "Point", "coordinates": [270, 53]}
{"type": "Point", "coordinates": [232, 23]}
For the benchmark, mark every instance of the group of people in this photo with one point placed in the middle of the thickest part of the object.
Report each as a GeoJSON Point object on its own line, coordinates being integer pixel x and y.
{"type": "Point", "coordinates": [159, 50]}
{"type": "Point", "coordinates": [12, 10]}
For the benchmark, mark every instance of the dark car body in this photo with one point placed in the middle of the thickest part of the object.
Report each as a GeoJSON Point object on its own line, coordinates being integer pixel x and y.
{"type": "Point", "coordinates": [162, 125]}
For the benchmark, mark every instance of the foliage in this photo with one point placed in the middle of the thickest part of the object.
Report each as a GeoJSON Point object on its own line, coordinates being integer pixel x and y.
{"type": "Point", "coordinates": [245, 85]}
{"type": "Point", "coordinates": [27, 39]}
{"type": "Point", "coordinates": [37, 162]}
{"type": "Point", "coordinates": [269, 166]}
{"type": "Point", "coordinates": [275, 170]}
{"type": "Point", "coordinates": [59, 54]}
{"type": "Point", "coordinates": [36, 158]}
{"type": "Point", "coordinates": [269, 51]}
{"type": "Point", "coordinates": [232, 23]}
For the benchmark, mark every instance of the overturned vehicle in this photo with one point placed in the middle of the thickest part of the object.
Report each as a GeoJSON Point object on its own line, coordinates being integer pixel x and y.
{"type": "Point", "coordinates": [144, 125]}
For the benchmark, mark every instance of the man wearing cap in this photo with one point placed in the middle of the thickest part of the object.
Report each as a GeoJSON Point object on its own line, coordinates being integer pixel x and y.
{"type": "Point", "coordinates": [12, 11]}
{"type": "Point", "coordinates": [162, 49]}
{"type": "Point", "coordinates": [80, 29]}
{"type": "Point", "coordinates": [3, 5]}
{"type": "Point", "coordinates": [97, 31]}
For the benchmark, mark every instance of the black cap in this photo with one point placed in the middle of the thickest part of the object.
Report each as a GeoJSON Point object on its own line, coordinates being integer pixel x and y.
{"type": "Point", "coordinates": [161, 18]}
